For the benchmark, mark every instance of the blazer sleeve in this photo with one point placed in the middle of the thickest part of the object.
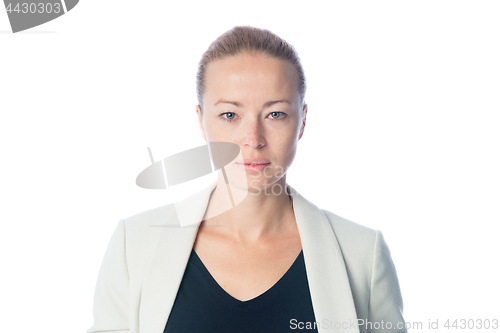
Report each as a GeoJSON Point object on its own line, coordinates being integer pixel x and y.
{"type": "Point", "coordinates": [386, 303]}
{"type": "Point", "coordinates": [111, 298]}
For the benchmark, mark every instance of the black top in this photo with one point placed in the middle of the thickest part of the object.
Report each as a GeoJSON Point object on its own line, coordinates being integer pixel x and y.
{"type": "Point", "coordinates": [202, 305]}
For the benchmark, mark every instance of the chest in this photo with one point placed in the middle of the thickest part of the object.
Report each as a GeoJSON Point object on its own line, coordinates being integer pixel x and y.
{"type": "Point", "coordinates": [246, 272]}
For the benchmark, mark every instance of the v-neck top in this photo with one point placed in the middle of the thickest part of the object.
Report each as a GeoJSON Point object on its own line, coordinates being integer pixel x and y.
{"type": "Point", "coordinates": [202, 305]}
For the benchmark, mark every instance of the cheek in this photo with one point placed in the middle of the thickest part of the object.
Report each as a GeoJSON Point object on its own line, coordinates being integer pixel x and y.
{"type": "Point", "coordinates": [287, 145]}
{"type": "Point", "coordinates": [289, 137]}
{"type": "Point", "coordinates": [213, 130]}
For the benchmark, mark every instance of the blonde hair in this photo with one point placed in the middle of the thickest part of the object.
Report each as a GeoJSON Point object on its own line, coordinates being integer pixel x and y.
{"type": "Point", "coordinates": [253, 40]}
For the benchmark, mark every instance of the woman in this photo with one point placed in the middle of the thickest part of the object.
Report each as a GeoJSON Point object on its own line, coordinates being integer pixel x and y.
{"type": "Point", "coordinates": [273, 262]}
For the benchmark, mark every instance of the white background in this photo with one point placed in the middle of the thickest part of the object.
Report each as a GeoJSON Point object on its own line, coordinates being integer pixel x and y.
{"type": "Point", "coordinates": [402, 135]}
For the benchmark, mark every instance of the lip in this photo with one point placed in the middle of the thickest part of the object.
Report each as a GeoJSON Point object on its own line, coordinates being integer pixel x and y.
{"type": "Point", "coordinates": [253, 160]}
{"type": "Point", "coordinates": [253, 168]}
{"type": "Point", "coordinates": [253, 164]}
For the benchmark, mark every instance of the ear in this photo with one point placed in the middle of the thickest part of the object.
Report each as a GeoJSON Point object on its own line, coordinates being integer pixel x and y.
{"type": "Point", "coordinates": [303, 122]}
{"type": "Point", "coordinates": [200, 121]}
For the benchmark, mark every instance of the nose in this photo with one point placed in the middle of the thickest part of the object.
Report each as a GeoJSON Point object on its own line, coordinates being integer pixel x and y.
{"type": "Point", "coordinates": [253, 134]}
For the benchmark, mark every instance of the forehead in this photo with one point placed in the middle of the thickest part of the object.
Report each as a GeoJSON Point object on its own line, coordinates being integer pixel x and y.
{"type": "Point", "coordinates": [251, 77]}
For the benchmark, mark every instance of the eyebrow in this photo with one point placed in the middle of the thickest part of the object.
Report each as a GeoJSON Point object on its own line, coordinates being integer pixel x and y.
{"type": "Point", "coordinates": [266, 105]}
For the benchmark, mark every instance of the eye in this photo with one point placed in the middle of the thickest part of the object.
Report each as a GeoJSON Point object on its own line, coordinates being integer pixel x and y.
{"type": "Point", "coordinates": [277, 114]}
{"type": "Point", "coordinates": [228, 116]}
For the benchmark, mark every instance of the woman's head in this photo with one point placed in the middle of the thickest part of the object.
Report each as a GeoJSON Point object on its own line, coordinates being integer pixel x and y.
{"type": "Point", "coordinates": [251, 89]}
{"type": "Point", "coordinates": [251, 40]}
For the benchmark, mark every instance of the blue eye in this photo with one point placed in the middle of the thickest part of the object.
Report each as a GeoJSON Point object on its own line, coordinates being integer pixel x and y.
{"type": "Point", "coordinates": [276, 114]}
{"type": "Point", "coordinates": [230, 116]}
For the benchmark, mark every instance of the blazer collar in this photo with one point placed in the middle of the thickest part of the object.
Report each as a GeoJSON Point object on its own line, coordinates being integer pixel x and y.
{"type": "Point", "coordinates": [329, 286]}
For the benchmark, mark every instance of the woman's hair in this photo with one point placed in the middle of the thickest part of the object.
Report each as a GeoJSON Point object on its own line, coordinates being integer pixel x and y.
{"type": "Point", "coordinates": [253, 40]}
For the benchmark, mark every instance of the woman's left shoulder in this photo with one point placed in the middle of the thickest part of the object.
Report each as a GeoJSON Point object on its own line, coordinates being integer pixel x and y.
{"type": "Point", "coordinates": [354, 237]}
{"type": "Point", "coordinates": [346, 228]}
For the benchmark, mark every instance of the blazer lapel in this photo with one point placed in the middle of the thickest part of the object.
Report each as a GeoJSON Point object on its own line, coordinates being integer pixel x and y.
{"type": "Point", "coordinates": [168, 262]}
{"type": "Point", "coordinates": [326, 272]}
{"type": "Point", "coordinates": [329, 286]}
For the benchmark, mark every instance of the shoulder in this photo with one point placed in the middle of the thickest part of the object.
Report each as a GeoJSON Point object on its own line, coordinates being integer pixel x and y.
{"type": "Point", "coordinates": [358, 243]}
{"type": "Point", "coordinates": [141, 229]}
{"type": "Point", "coordinates": [139, 234]}
{"type": "Point", "coordinates": [153, 216]}
{"type": "Point", "coordinates": [348, 231]}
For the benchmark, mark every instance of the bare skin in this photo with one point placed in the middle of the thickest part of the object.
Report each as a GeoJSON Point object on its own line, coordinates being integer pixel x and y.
{"type": "Point", "coordinates": [248, 248]}
{"type": "Point", "coordinates": [244, 269]}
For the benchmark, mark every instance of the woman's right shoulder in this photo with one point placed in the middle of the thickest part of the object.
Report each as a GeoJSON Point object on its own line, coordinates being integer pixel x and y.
{"type": "Point", "coordinates": [151, 217]}
{"type": "Point", "coordinates": [146, 224]}
{"type": "Point", "coordinates": [139, 234]}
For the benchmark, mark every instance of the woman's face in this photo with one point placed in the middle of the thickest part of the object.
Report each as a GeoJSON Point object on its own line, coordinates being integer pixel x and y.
{"type": "Point", "coordinates": [252, 100]}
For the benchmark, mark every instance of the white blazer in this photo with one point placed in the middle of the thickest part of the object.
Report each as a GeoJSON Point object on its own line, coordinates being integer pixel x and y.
{"type": "Point", "coordinates": [352, 279]}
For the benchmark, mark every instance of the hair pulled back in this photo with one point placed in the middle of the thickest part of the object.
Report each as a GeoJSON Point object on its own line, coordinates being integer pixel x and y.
{"type": "Point", "coordinates": [252, 40]}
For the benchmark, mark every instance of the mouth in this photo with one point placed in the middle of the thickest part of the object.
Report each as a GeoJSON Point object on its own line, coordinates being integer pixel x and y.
{"type": "Point", "coordinates": [253, 161]}
{"type": "Point", "coordinates": [253, 166]}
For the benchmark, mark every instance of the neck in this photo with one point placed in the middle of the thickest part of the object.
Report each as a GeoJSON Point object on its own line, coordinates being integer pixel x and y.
{"type": "Point", "coordinates": [257, 215]}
